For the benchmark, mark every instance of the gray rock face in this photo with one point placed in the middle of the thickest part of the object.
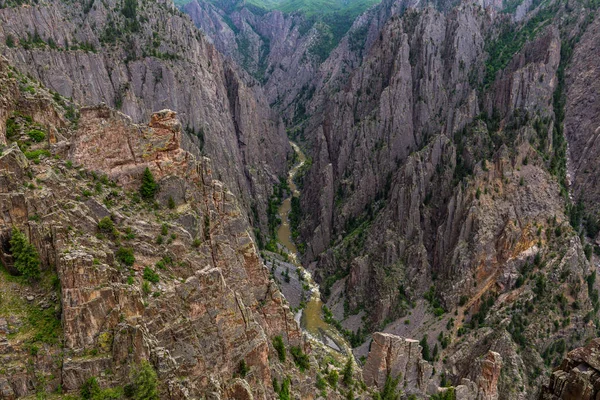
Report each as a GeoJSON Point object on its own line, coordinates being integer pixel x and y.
{"type": "Point", "coordinates": [582, 110]}
{"type": "Point", "coordinates": [435, 176]}
{"type": "Point", "coordinates": [211, 303]}
{"type": "Point", "coordinates": [164, 62]}
{"type": "Point", "coordinates": [394, 356]}
{"type": "Point", "coordinates": [275, 48]}
{"type": "Point", "coordinates": [577, 377]}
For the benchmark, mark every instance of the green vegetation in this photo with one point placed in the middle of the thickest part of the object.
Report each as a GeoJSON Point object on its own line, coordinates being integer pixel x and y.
{"type": "Point", "coordinates": [284, 391]}
{"type": "Point", "coordinates": [511, 40]}
{"type": "Point", "coordinates": [125, 256]}
{"type": "Point", "coordinates": [36, 135]}
{"type": "Point", "coordinates": [150, 275]}
{"type": "Point", "coordinates": [300, 358]}
{"type": "Point", "coordinates": [144, 384]}
{"type": "Point", "coordinates": [35, 154]}
{"type": "Point", "coordinates": [355, 338]}
{"type": "Point", "coordinates": [129, 10]}
{"type": "Point", "coordinates": [149, 186]}
{"type": "Point", "coordinates": [434, 301]}
{"type": "Point", "coordinates": [479, 318]}
{"type": "Point", "coordinates": [449, 394]}
{"type": "Point", "coordinates": [332, 378]}
{"type": "Point", "coordinates": [279, 347]}
{"type": "Point", "coordinates": [25, 255]}
{"type": "Point", "coordinates": [10, 41]}
{"type": "Point", "coordinates": [390, 391]}
{"type": "Point", "coordinates": [295, 218]}
{"type": "Point", "coordinates": [46, 325]}
{"type": "Point", "coordinates": [425, 349]}
{"type": "Point", "coordinates": [347, 372]}
{"type": "Point", "coordinates": [320, 382]}
{"type": "Point", "coordinates": [90, 390]}
{"type": "Point", "coordinates": [243, 368]}
{"type": "Point", "coordinates": [106, 225]}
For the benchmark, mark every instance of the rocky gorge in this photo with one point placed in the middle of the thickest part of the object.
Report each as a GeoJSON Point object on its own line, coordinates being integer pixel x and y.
{"type": "Point", "coordinates": [162, 238]}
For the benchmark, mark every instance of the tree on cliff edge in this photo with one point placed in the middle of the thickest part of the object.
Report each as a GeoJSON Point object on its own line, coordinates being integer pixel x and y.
{"type": "Point", "coordinates": [149, 185]}
{"type": "Point", "coordinates": [27, 260]}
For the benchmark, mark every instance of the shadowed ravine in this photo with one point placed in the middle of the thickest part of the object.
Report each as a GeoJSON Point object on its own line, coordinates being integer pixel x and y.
{"type": "Point", "coordinates": [311, 316]}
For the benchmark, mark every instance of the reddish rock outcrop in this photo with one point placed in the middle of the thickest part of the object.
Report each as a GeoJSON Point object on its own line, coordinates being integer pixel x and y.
{"type": "Point", "coordinates": [393, 356]}
{"type": "Point", "coordinates": [577, 377]}
{"type": "Point", "coordinates": [212, 303]}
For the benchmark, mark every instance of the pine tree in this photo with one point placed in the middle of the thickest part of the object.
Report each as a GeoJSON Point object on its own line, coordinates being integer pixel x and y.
{"type": "Point", "coordinates": [435, 352]}
{"type": "Point", "coordinates": [145, 382]}
{"type": "Point", "coordinates": [149, 185]}
{"type": "Point", "coordinates": [347, 372]}
{"type": "Point", "coordinates": [26, 258]}
{"type": "Point", "coordinates": [425, 348]}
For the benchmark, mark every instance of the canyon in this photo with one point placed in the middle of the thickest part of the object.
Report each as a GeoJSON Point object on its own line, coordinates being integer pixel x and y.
{"type": "Point", "coordinates": [231, 200]}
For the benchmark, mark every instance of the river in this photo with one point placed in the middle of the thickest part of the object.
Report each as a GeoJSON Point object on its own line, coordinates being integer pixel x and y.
{"type": "Point", "coordinates": [311, 316]}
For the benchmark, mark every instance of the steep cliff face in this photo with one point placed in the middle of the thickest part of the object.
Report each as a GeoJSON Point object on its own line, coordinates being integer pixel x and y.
{"type": "Point", "coordinates": [442, 189]}
{"type": "Point", "coordinates": [280, 50]}
{"type": "Point", "coordinates": [577, 376]}
{"type": "Point", "coordinates": [178, 283]}
{"type": "Point", "coordinates": [581, 117]}
{"type": "Point", "coordinates": [143, 57]}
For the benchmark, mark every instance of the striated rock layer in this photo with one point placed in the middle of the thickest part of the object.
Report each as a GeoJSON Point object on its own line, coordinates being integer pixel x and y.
{"type": "Point", "coordinates": [151, 59]}
{"type": "Point", "coordinates": [195, 300]}
{"type": "Point", "coordinates": [577, 377]}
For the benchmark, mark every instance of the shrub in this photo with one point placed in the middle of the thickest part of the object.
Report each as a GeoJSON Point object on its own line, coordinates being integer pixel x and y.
{"type": "Point", "coordinates": [279, 347]}
{"type": "Point", "coordinates": [26, 258]}
{"type": "Point", "coordinates": [149, 185]}
{"type": "Point", "coordinates": [144, 384]}
{"type": "Point", "coordinates": [10, 41]}
{"type": "Point", "coordinates": [89, 389]}
{"type": "Point", "coordinates": [36, 135]}
{"type": "Point", "coordinates": [171, 203]}
{"type": "Point", "coordinates": [333, 378]}
{"type": "Point", "coordinates": [284, 391]}
{"type": "Point", "coordinates": [425, 348]}
{"type": "Point", "coordinates": [243, 368]}
{"type": "Point", "coordinates": [347, 372]}
{"type": "Point", "coordinates": [146, 288]}
{"type": "Point", "coordinates": [300, 358]}
{"type": "Point", "coordinates": [320, 382]}
{"type": "Point", "coordinates": [150, 275]}
{"type": "Point", "coordinates": [106, 225]}
{"type": "Point", "coordinates": [125, 256]}
{"type": "Point", "coordinates": [35, 154]}
{"type": "Point", "coordinates": [389, 391]}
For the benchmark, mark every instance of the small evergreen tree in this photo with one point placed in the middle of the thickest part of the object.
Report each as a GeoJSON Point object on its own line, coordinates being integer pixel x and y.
{"type": "Point", "coordinates": [10, 41]}
{"type": "Point", "coordinates": [149, 185]}
{"type": "Point", "coordinates": [425, 348]}
{"type": "Point", "coordinates": [89, 389]}
{"type": "Point", "coordinates": [145, 383]}
{"type": "Point", "coordinates": [279, 347]}
{"type": "Point", "coordinates": [389, 391]}
{"type": "Point", "coordinates": [347, 372]}
{"type": "Point", "coordinates": [320, 382]}
{"type": "Point", "coordinates": [26, 258]}
{"type": "Point", "coordinates": [350, 394]}
{"type": "Point", "coordinates": [333, 378]}
{"type": "Point", "coordinates": [125, 256]}
{"type": "Point", "coordinates": [243, 368]}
